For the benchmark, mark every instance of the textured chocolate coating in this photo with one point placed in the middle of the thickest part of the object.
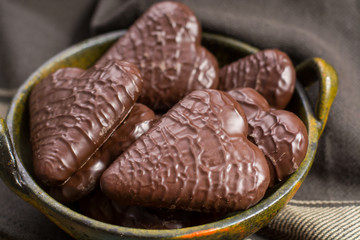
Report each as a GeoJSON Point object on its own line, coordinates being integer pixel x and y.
{"type": "Point", "coordinates": [87, 177]}
{"type": "Point", "coordinates": [72, 116]}
{"type": "Point", "coordinates": [196, 157]}
{"type": "Point", "coordinates": [280, 134]}
{"type": "Point", "coordinates": [101, 208]}
{"type": "Point", "coordinates": [165, 44]}
{"type": "Point", "coordinates": [270, 72]}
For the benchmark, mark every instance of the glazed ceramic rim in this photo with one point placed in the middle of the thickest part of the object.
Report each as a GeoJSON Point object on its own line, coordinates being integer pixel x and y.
{"type": "Point", "coordinates": [293, 182]}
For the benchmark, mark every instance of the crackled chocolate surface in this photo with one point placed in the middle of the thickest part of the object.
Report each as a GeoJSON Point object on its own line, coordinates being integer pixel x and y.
{"type": "Point", "coordinates": [73, 112]}
{"type": "Point", "coordinates": [99, 207]}
{"type": "Point", "coordinates": [196, 157]}
{"type": "Point", "coordinates": [280, 134]}
{"type": "Point", "coordinates": [165, 44]}
{"type": "Point", "coordinates": [87, 177]}
{"type": "Point", "coordinates": [270, 72]}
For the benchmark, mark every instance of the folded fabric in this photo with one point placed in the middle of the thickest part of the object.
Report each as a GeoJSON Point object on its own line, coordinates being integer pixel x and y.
{"type": "Point", "coordinates": [316, 220]}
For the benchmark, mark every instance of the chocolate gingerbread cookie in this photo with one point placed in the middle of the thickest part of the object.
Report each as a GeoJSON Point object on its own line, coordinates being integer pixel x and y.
{"type": "Point", "coordinates": [196, 157]}
{"type": "Point", "coordinates": [280, 134]}
{"type": "Point", "coordinates": [87, 177]}
{"type": "Point", "coordinates": [270, 72]}
{"type": "Point", "coordinates": [165, 44]}
{"type": "Point", "coordinates": [73, 112]}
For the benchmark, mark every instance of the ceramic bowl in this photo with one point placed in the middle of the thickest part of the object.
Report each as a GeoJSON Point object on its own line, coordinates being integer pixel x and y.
{"type": "Point", "coordinates": [16, 163]}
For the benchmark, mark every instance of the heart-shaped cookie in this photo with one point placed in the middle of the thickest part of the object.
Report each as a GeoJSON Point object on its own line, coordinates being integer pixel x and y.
{"type": "Point", "coordinates": [196, 157]}
{"type": "Point", "coordinates": [72, 115]}
{"type": "Point", "coordinates": [165, 44]}
{"type": "Point", "coordinates": [87, 177]}
{"type": "Point", "coordinates": [280, 134]}
{"type": "Point", "coordinates": [270, 72]}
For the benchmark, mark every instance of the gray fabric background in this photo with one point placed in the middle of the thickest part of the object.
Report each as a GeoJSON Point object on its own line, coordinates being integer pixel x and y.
{"type": "Point", "coordinates": [31, 31]}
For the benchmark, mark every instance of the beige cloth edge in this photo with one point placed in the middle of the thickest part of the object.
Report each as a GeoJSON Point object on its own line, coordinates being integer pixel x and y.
{"type": "Point", "coordinates": [315, 220]}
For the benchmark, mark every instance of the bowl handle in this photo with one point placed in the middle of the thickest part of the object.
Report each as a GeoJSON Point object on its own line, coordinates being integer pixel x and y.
{"type": "Point", "coordinates": [9, 171]}
{"type": "Point", "coordinates": [311, 71]}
